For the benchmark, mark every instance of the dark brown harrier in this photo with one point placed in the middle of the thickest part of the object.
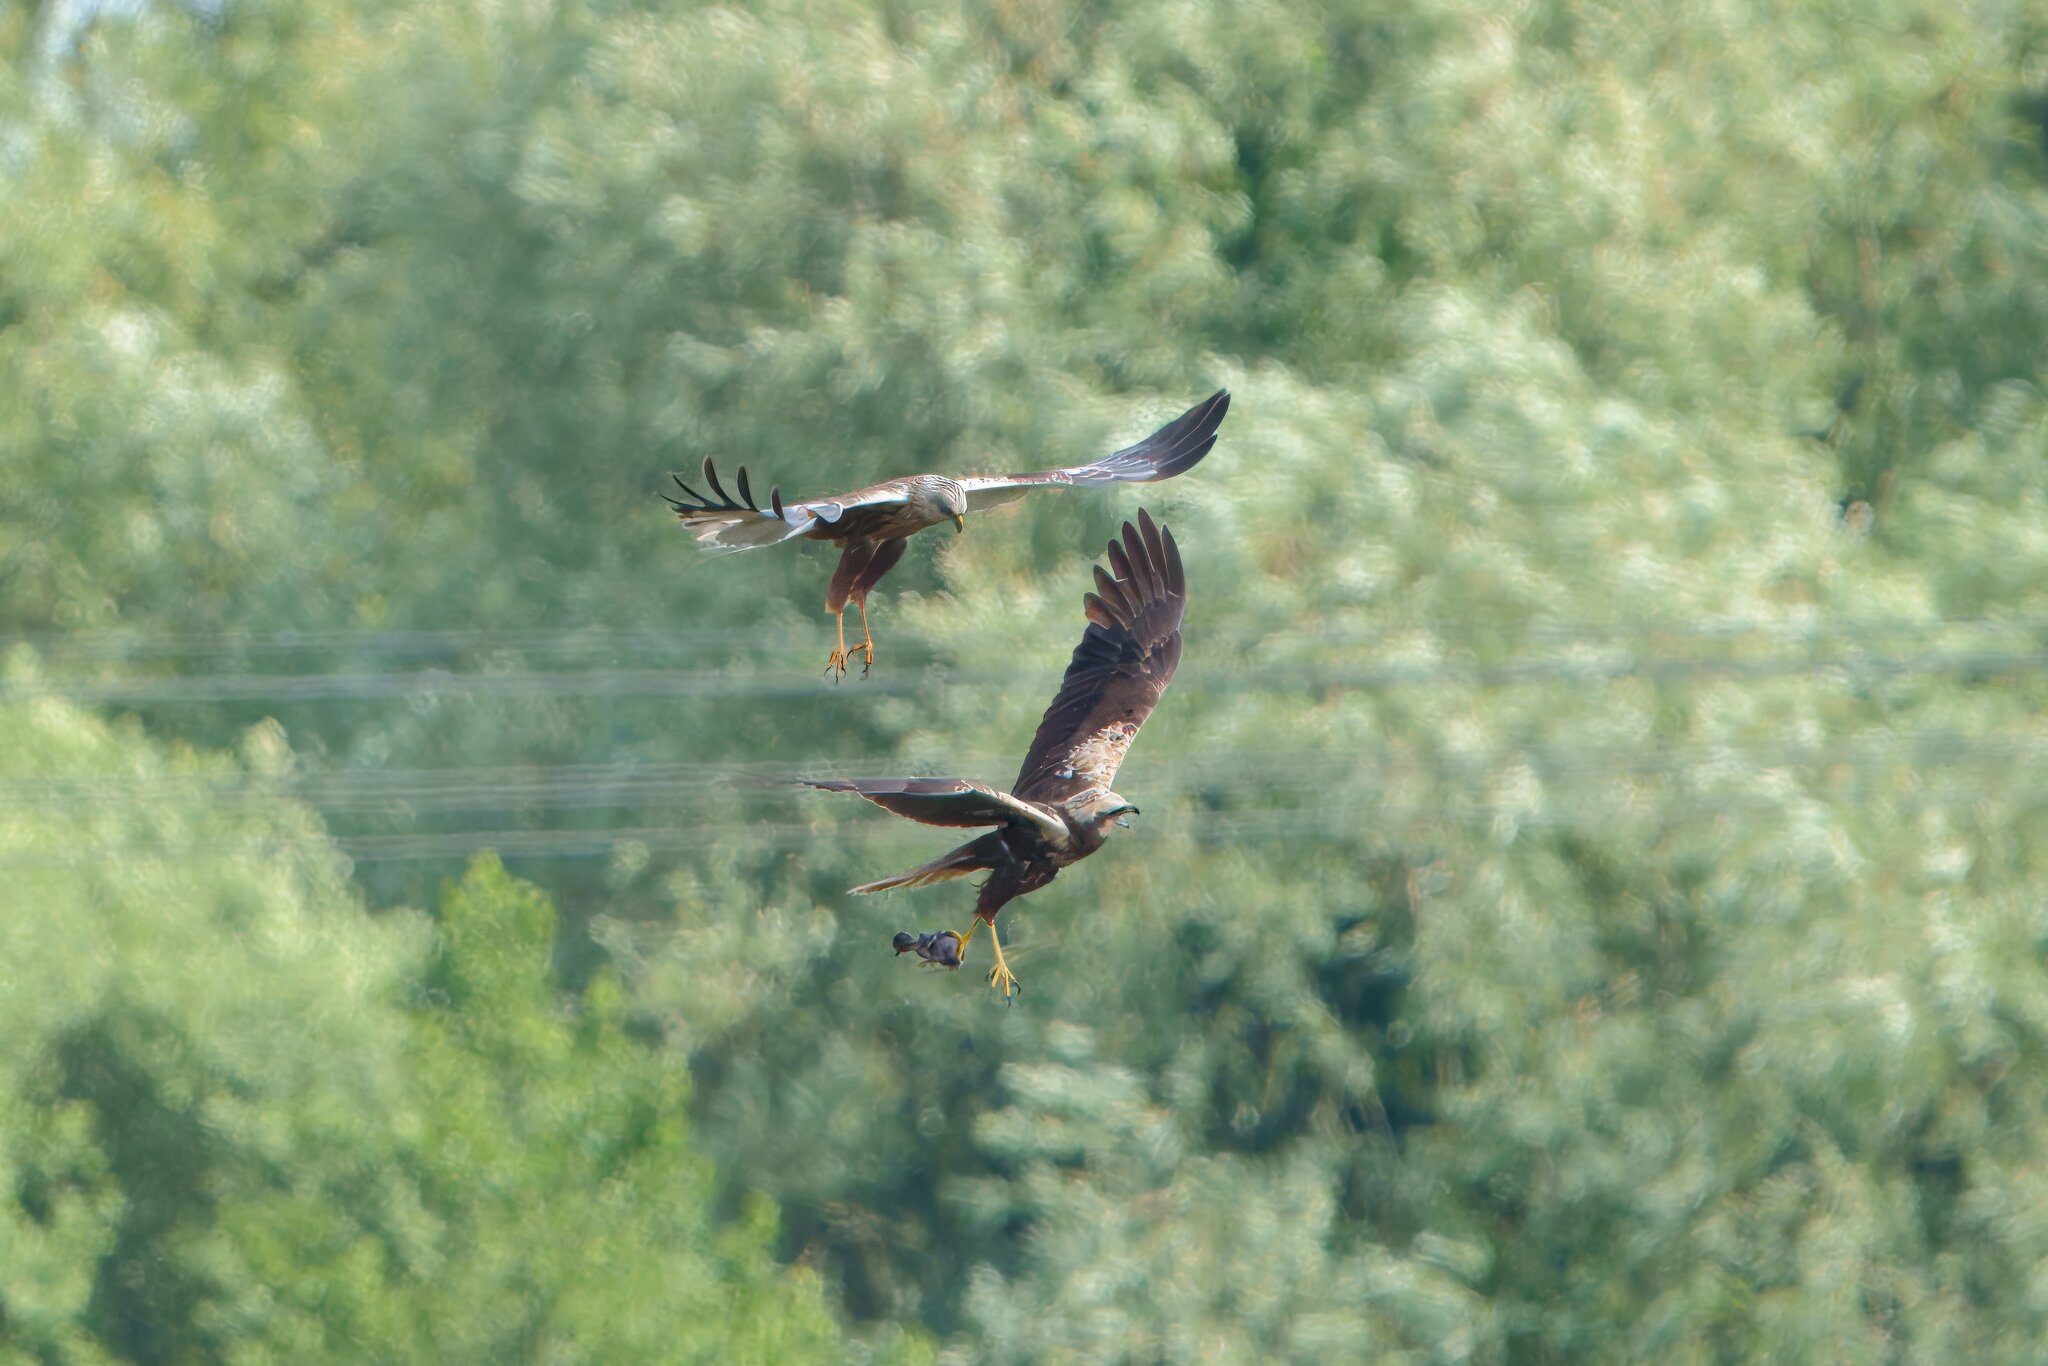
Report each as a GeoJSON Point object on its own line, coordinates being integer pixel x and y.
{"type": "Point", "coordinates": [870, 525]}
{"type": "Point", "coordinates": [1061, 807]}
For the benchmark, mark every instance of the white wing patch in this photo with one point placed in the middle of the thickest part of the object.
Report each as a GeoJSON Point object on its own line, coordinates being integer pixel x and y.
{"type": "Point", "coordinates": [1098, 757]}
{"type": "Point", "coordinates": [985, 491]}
{"type": "Point", "coordinates": [721, 531]}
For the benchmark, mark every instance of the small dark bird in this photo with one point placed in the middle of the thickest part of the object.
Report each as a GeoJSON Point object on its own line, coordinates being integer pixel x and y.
{"type": "Point", "coordinates": [1061, 807]}
{"type": "Point", "coordinates": [938, 950]}
{"type": "Point", "coordinates": [870, 525]}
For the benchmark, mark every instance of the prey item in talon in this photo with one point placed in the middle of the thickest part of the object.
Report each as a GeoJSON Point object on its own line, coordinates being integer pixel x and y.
{"type": "Point", "coordinates": [942, 948]}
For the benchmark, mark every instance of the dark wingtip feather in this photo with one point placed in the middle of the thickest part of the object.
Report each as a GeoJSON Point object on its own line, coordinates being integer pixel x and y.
{"type": "Point", "coordinates": [775, 500]}
{"type": "Point", "coordinates": [1184, 463]}
{"type": "Point", "coordinates": [1182, 443]}
{"type": "Point", "coordinates": [1117, 597]}
{"type": "Point", "coordinates": [1147, 582]}
{"type": "Point", "coordinates": [1119, 563]}
{"type": "Point", "coordinates": [721, 501]}
{"type": "Point", "coordinates": [1202, 420]}
{"type": "Point", "coordinates": [1208, 415]}
{"type": "Point", "coordinates": [1149, 530]}
{"type": "Point", "coordinates": [1155, 550]}
{"type": "Point", "coordinates": [711, 478]}
{"type": "Point", "coordinates": [697, 500]}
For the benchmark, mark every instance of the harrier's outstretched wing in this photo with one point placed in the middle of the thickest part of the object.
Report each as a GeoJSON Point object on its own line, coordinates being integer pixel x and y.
{"type": "Point", "coordinates": [723, 522]}
{"type": "Point", "coordinates": [945, 801]}
{"type": "Point", "coordinates": [1119, 670]}
{"type": "Point", "coordinates": [1174, 449]}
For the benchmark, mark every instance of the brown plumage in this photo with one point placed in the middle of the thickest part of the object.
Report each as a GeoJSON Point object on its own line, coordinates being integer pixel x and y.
{"type": "Point", "coordinates": [1061, 807]}
{"type": "Point", "coordinates": [870, 525]}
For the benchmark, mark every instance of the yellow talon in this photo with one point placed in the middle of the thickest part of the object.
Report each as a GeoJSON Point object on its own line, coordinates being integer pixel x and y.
{"type": "Point", "coordinates": [1000, 977]}
{"type": "Point", "coordinates": [841, 655]}
{"type": "Point", "coordinates": [867, 640]}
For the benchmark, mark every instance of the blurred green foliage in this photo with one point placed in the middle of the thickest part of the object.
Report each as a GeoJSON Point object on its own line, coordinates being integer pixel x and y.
{"type": "Point", "coordinates": [1588, 899]}
{"type": "Point", "coordinates": [245, 1121]}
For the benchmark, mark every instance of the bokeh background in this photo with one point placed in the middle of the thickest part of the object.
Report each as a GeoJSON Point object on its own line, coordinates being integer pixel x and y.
{"type": "Point", "coordinates": [1589, 903]}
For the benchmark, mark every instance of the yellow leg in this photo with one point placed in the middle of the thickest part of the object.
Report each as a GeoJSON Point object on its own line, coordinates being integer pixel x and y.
{"type": "Point", "coordinates": [867, 639]}
{"type": "Point", "coordinates": [1000, 977]}
{"type": "Point", "coordinates": [841, 655]}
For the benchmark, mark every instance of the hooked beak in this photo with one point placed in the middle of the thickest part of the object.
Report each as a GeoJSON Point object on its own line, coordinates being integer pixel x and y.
{"type": "Point", "coordinates": [1123, 819]}
{"type": "Point", "coordinates": [959, 524]}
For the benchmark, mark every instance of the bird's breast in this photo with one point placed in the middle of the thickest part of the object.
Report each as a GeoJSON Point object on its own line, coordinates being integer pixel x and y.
{"type": "Point", "coordinates": [1084, 837]}
{"type": "Point", "coordinates": [907, 521]}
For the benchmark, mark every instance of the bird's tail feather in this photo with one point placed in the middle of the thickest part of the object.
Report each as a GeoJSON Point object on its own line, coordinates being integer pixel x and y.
{"type": "Point", "coordinates": [968, 858]}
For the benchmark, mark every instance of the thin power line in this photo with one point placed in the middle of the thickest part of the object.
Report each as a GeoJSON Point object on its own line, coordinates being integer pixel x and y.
{"type": "Point", "coordinates": [780, 684]}
{"type": "Point", "coordinates": [1347, 822]}
{"type": "Point", "coordinates": [506, 787]}
{"type": "Point", "coordinates": [138, 643]}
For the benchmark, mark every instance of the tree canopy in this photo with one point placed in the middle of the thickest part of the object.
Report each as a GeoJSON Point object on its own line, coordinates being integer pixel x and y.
{"type": "Point", "coordinates": [1586, 904]}
{"type": "Point", "coordinates": [245, 1121]}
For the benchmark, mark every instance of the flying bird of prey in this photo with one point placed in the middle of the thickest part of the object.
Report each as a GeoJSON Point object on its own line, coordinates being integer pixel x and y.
{"type": "Point", "coordinates": [1061, 807]}
{"type": "Point", "coordinates": [871, 525]}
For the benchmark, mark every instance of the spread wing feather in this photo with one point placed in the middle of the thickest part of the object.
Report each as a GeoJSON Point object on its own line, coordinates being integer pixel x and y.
{"type": "Point", "coordinates": [720, 522]}
{"type": "Point", "coordinates": [944, 801]}
{"type": "Point", "coordinates": [1174, 449]}
{"type": "Point", "coordinates": [725, 523]}
{"type": "Point", "coordinates": [1119, 671]}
